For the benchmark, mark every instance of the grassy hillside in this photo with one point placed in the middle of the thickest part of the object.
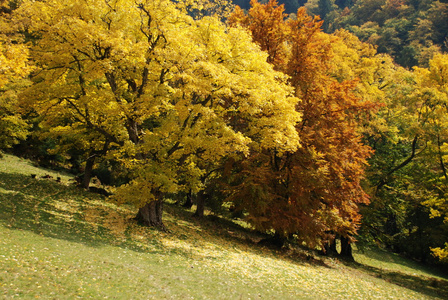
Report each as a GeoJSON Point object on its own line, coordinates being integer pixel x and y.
{"type": "Point", "coordinates": [59, 242]}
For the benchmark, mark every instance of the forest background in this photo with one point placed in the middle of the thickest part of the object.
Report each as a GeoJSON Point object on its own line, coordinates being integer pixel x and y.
{"type": "Point", "coordinates": [311, 131]}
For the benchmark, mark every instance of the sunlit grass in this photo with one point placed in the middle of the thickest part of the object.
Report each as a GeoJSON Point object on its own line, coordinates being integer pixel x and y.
{"type": "Point", "coordinates": [57, 241]}
{"type": "Point", "coordinates": [13, 165]}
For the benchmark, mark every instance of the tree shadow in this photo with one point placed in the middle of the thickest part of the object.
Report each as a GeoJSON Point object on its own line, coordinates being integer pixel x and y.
{"type": "Point", "coordinates": [249, 240]}
{"type": "Point", "coordinates": [427, 285]}
{"type": "Point", "coordinates": [400, 260]}
{"type": "Point", "coordinates": [55, 210]}
{"type": "Point", "coordinates": [246, 239]}
{"type": "Point", "coordinates": [51, 209]}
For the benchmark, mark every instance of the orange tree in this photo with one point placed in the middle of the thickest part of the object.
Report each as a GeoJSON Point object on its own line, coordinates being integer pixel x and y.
{"type": "Point", "coordinates": [312, 193]}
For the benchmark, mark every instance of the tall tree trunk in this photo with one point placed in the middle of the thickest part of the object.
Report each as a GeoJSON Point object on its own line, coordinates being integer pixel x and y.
{"type": "Point", "coordinates": [151, 214]}
{"type": "Point", "coordinates": [346, 249]}
{"type": "Point", "coordinates": [330, 248]}
{"type": "Point", "coordinates": [189, 202]}
{"type": "Point", "coordinates": [200, 204]}
{"type": "Point", "coordinates": [88, 171]}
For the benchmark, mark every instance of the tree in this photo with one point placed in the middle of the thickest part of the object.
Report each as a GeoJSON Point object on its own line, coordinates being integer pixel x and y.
{"type": "Point", "coordinates": [14, 66]}
{"type": "Point", "coordinates": [432, 92]}
{"type": "Point", "coordinates": [165, 94]}
{"type": "Point", "coordinates": [325, 9]}
{"type": "Point", "coordinates": [406, 171]}
{"type": "Point", "coordinates": [266, 23]}
{"type": "Point", "coordinates": [410, 31]}
{"type": "Point", "coordinates": [13, 53]}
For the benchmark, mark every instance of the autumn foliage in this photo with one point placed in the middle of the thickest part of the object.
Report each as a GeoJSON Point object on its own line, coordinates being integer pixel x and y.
{"type": "Point", "coordinates": [295, 129]}
{"type": "Point", "coordinates": [166, 95]}
{"type": "Point", "coordinates": [314, 192]}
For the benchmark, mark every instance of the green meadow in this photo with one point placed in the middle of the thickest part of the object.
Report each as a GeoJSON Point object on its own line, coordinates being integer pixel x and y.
{"type": "Point", "coordinates": [60, 242]}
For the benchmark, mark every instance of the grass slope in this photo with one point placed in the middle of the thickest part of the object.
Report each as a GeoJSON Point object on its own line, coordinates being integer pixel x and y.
{"type": "Point", "coordinates": [58, 242]}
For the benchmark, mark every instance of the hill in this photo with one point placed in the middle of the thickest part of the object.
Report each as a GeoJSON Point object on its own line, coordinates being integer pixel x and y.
{"type": "Point", "coordinates": [57, 241]}
{"type": "Point", "coordinates": [409, 31]}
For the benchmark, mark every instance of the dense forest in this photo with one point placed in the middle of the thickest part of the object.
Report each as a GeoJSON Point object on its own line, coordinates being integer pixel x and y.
{"type": "Point", "coordinates": [314, 122]}
{"type": "Point", "coordinates": [410, 31]}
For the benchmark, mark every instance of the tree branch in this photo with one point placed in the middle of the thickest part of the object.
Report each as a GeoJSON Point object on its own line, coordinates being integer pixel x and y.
{"type": "Point", "coordinates": [384, 180]}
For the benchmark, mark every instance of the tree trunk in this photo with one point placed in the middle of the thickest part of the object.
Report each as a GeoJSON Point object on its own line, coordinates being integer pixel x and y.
{"type": "Point", "coordinates": [330, 248]}
{"type": "Point", "coordinates": [200, 204]}
{"type": "Point", "coordinates": [346, 249]}
{"type": "Point", "coordinates": [189, 203]}
{"type": "Point", "coordinates": [151, 214]}
{"type": "Point", "coordinates": [442, 164]}
{"type": "Point", "coordinates": [277, 241]}
{"type": "Point", "coordinates": [88, 172]}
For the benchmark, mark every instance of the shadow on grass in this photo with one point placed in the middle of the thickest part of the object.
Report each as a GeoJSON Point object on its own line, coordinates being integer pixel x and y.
{"type": "Point", "coordinates": [245, 239]}
{"type": "Point", "coordinates": [248, 240]}
{"type": "Point", "coordinates": [65, 212]}
{"type": "Point", "coordinates": [55, 210]}
{"type": "Point", "coordinates": [388, 258]}
{"type": "Point", "coordinates": [429, 286]}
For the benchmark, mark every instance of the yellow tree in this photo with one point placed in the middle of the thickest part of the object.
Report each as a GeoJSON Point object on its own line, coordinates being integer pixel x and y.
{"type": "Point", "coordinates": [13, 53]}
{"type": "Point", "coordinates": [148, 85]}
{"type": "Point", "coordinates": [407, 168]}
{"type": "Point", "coordinates": [14, 66]}
{"type": "Point", "coordinates": [431, 99]}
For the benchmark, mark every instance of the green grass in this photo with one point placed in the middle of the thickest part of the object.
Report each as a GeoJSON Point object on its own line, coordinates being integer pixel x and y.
{"type": "Point", "coordinates": [59, 242]}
